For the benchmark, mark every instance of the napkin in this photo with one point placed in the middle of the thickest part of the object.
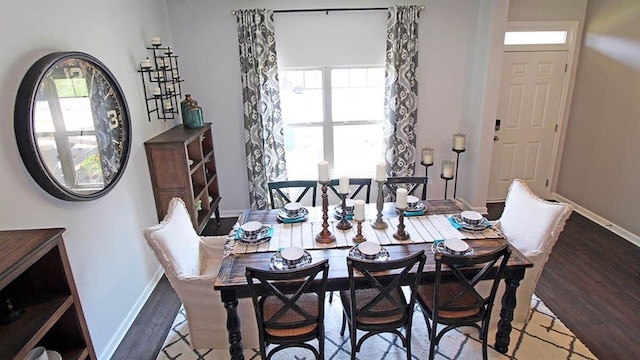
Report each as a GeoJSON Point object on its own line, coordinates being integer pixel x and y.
{"type": "Point", "coordinates": [454, 223]}
{"type": "Point", "coordinates": [415, 213]}
{"type": "Point", "coordinates": [290, 221]}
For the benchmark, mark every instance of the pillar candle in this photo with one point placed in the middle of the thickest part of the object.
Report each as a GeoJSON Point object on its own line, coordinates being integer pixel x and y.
{"type": "Point", "coordinates": [344, 185]}
{"type": "Point", "coordinates": [168, 105]}
{"type": "Point", "coordinates": [381, 171]}
{"type": "Point", "coordinates": [323, 171]}
{"type": "Point", "coordinates": [358, 213]}
{"type": "Point", "coordinates": [175, 74]}
{"type": "Point", "coordinates": [427, 156]}
{"type": "Point", "coordinates": [145, 64]}
{"type": "Point", "coordinates": [155, 41]}
{"type": "Point", "coordinates": [459, 141]}
{"type": "Point", "coordinates": [170, 88]}
{"type": "Point", "coordinates": [156, 91]}
{"type": "Point", "coordinates": [447, 169]}
{"type": "Point", "coordinates": [401, 198]}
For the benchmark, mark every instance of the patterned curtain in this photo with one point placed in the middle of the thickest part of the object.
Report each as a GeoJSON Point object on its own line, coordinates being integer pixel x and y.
{"type": "Point", "coordinates": [401, 90]}
{"type": "Point", "coordinates": [263, 129]}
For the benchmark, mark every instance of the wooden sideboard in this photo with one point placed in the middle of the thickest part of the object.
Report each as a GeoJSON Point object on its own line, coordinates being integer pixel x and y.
{"type": "Point", "coordinates": [35, 276]}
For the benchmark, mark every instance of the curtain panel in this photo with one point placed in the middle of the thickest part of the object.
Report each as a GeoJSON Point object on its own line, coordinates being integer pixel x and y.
{"type": "Point", "coordinates": [263, 128]}
{"type": "Point", "coordinates": [401, 90]}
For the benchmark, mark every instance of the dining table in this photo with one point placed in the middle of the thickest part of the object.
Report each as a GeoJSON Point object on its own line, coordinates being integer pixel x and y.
{"type": "Point", "coordinates": [424, 232]}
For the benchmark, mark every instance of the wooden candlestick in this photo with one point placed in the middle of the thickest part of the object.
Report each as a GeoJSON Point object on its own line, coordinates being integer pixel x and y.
{"type": "Point", "coordinates": [325, 236]}
{"type": "Point", "coordinates": [344, 224]}
{"type": "Point", "coordinates": [359, 238]}
{"type": "Point", "coordinates": [379, 224]}
{"type": "Point", "coordinates": [401, 234]}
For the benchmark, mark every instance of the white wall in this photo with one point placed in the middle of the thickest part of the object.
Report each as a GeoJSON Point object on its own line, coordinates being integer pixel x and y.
{"type": "Point", "coordinates": [113, 267]}
{"type": "Point", "coordinates": [205, 36]}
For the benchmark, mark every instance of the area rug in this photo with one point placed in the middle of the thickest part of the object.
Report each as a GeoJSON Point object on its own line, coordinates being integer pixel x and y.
{"type": "Point", "coordinates": [542, 337]}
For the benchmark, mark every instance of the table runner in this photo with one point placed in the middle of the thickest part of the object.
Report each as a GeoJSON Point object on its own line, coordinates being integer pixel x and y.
{"type": "Point", "coordinates": [422, 229]}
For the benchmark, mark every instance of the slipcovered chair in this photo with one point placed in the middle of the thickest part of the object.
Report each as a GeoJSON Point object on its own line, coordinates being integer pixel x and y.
{"type": "Point", "coordinates": [531, 225]}
{"type": "Point", "coordinates": [191, 263]}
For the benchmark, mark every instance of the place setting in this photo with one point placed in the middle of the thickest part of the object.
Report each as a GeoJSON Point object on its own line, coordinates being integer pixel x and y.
{"type": "Point", "coordinates": [470, 221]}
{"type": "Point", "coordinates": [253, 232]}
{"type": "Point", "coordinates": [292, 212]}
{"type": "Point", "coordinates": [288, 258]}
{"type": "Point", "coordinates": [415, 207]}
{"type": "Point", "coordinates": [349, 207]}
{"type": "Point", "coordinates": [452, 246]}
{"type": "Point", "coordinates": [369, 250]}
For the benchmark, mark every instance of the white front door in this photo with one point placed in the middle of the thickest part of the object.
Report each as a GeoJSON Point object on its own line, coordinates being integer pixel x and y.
{"type": "Point", "coordinates": [528, 108]}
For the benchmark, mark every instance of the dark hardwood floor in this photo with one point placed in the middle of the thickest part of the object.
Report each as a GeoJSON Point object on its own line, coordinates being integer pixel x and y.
{"type": "Point", "coordinates": [591, 281]}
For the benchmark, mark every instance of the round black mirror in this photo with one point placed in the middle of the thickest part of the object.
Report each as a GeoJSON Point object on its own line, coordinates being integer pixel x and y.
{"type": "Point", "coordinates": [72, 126]}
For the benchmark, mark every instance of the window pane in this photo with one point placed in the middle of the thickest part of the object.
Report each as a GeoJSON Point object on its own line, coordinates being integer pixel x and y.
{"type": "Point", "coordinates": [303, 150]}
{"type": "Point", "coordinates": [358, 77]}
{"type": "Point", "coordinates": [339, 78]}
{"type": "Point", "coordinates": [353, 104]}
{"type": "Point", "coordinates": [357, 149]}
{"type": "Point", "coordinates": [301, 96]}
{"type": "Point", "coordinates": [290, 80]}
{"type": "Point", "coordinates": [535, 37]}
{"type": "Point", "coordinates": [375, 77]}
{"type": "Point", "coordinates": [313, 79]}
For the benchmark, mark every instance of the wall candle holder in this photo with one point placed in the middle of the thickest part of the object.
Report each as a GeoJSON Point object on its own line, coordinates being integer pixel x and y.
{"type": "Point", "coordinates": [344, 224]}
{"type": "Point", "coordinates": [162, 76]}
{"type": "Point", "coordinates": [455, 182]}
{"type": "Point", "coordinates": [400, 233]}
{"type": "Point", "coordinates": [379, 224]}
{"type": "Point", "coordinates": [359, 237]}
{"type": "Point", "coordinates": [426, 174]}
{"type": "Point", "coordinates": [325, 236]}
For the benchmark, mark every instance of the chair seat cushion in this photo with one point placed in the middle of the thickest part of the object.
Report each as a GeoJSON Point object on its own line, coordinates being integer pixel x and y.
{"type": "Point", "coordinates": [271, 305]}
{"type": "Point", "coordinates": [364, 296]}
{"type": "Point", "coordinates": [447, 290]}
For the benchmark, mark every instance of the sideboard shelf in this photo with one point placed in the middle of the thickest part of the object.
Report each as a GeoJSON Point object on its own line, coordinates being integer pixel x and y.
{"type": "Point", "coordinates": [35, 276]}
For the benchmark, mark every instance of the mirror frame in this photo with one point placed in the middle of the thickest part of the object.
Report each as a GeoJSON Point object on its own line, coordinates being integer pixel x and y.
{"type": "Point", "coordinates": [26, 137]}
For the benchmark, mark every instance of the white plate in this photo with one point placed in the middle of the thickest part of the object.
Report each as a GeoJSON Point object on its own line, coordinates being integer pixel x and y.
{"type": "Point", "coordinates": [418, 207]}
{"type": "Point", "coordinates": [292, 253]}
{"type": "Point", "coordinates": [369, 248]}
{"type": "Point", "coordinates": [282, 214]}
{"type": "Point", "coordinates": [456, 245]}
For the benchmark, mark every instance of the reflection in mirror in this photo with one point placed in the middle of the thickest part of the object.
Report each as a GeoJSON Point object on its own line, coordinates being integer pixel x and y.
{"type": "Point", "coordinates": [79, 126]}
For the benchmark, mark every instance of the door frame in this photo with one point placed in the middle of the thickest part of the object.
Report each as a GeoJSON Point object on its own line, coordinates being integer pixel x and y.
{"type": "Point", "coordinates": [572, 46]}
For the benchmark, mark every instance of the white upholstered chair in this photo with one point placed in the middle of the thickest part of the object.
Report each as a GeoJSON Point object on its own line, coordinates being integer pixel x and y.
{"type": "Point", "coordinates": [531, 225]}
{"type": "Point", "coordinates": [191, 263]}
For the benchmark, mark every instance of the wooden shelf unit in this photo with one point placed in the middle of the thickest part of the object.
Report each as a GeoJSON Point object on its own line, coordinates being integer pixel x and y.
{"type": "Point", "coordinates": [168, 156]}
{"type": "Point", "coordinates": [35, 275]}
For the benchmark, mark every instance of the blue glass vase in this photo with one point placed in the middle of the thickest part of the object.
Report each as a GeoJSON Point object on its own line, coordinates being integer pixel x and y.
{"type": "Point", "coordinates": [191, 113]}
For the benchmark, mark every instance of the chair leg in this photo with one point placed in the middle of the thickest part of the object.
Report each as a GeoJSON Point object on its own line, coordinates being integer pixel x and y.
{"type": "Point", "coordinates": [407, 335]}
{"type": "Point", "coordinates": [321, 345]}
{"type": "Point", "coordinates": [330, 297]}
{"type": "Point", "coordinates": [344, 323]}
{"type": "Point", "coordinates": [354, 343]}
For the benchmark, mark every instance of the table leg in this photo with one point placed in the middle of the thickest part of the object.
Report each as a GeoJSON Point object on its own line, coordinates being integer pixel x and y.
{"type": "Point", "coordinates": [236, 348]}
{"type": "Point", "coordinates": [506, 314]}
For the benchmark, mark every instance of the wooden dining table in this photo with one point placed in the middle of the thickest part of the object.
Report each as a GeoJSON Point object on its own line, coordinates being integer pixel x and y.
{"type": "Point", "coordinates": [232, 284]}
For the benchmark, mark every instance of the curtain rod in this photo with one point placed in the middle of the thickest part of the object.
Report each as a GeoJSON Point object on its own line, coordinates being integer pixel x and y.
{"type": "Point", "coordinates": [327, 10]}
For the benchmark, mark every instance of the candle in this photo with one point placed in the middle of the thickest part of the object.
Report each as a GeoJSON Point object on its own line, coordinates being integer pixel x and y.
{"type": "Point", "coordinates": [381, 171]}
{"type": "Point", "coordinates": [459, 141]}
{"type": "Point", "coordinates": [344, 185]}
{"type": "Point", "coordinates": [167, 62]}
{"type": "Point", "coordinates": [427, 156]}
{"type": "Point", "coordinates": [175, 74]}
{"type": "Point", "coordinates": [156, 91]}
{"type": "Point", "coordinates": [168, 105]}
{"type": "Point", "coordinates": [169, 88]}
{"type": "Point", "coordinates": [401, 198]}
{"type": "Point", "coordinates": [323, 171]}
{"type": "Point", "coordinates": [155, 41]}
{"type": "Point", "coordinates": [447, 169]}
{"type": "Point", "coordinates": [145, 64]}
{"type": "Point", "coordinates": [157, 75]}
{"type": "Point", "coordinates": [358, 213]}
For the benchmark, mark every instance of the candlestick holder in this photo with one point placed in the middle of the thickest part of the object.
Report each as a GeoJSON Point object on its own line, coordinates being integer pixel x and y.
{"type": "Point", "coordinates": [344, 224]}
{"type": "Point", "coordinates": [325, 236]}
{"type": "Point", "coordinates": [359, 237]}
{"type": "Point", "coordinates": [426, 174]}
{"type": "Point", "coordinates": [400, 233]}
{"type": "Point", "coordinates": [446, 182]}
{"type": "Point", "coordinates": [455, 182]}
{"type": "Point", "coordinates": [379, 224]}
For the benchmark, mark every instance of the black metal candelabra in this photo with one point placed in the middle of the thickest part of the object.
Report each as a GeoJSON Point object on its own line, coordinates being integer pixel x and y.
{"type": "Point", "coordinates": [455, 182]}
{"type": "Point", "coordinates": [426, 174]}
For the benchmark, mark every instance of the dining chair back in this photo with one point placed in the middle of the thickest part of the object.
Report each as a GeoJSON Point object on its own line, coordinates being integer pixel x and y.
{"type": "Point", "coordinates": [458, 300]}
{"type": "Point", "coordinates": [303, 185]}
{"type": "Point", "coordinates": [359, 183]}
{"type": "Point", "coordinates": [376, 303]}
{"type": "Point", "coordinates": [411, 183]}
{"type": "Point", "coordinates": [532, 225]}
{"type": "Point", "coordinates": [288, 309]}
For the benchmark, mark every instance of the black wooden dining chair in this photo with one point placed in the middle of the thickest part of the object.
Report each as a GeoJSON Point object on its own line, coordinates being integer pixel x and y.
{"type": "Point", "coordinates": [359, 183]}
{"type": "Point", "coordinates": [305, 185]}
{"type": "Point", "coordinates": [457, 301]}
{"type": "Point", "coordinates": [376, 305]}
{"type": "Point", "coordinates": [288, 310]}
{"type": "Point", "coordinates": [411, 183]}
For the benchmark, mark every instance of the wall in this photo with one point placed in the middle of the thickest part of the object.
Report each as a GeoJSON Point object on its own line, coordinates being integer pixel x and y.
{"type": "Point", "coordinates": [600, 168]}
{"type": "Point", "coordinates": [113, 267]}
{"type": "Point", "coordinates": [205, 36]}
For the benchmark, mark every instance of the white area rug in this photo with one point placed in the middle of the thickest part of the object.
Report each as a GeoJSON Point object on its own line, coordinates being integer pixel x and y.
{"type": "Point", "coordinates": [544, 336]}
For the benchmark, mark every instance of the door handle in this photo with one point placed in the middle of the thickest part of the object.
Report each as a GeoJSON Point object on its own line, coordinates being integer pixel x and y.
{"type": "Point", "coordinates": [495, 138]}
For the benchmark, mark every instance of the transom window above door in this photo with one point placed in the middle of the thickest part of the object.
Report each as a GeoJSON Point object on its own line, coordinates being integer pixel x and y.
{"type": "Point", "coordinates": [332, 114]}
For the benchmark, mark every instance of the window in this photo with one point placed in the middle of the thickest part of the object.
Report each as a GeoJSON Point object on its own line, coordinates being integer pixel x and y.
{"type": "Point", "coordinates": [535, 37]}
{"type": "Point", "coordinates": [333, 114]}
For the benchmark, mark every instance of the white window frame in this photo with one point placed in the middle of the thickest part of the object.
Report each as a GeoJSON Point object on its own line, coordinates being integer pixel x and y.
{"type": "Point", "coordinates": [571, 27]}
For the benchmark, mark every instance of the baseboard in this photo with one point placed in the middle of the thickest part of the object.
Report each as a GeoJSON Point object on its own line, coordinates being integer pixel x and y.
{"type": "Point", "coordinates": [112, 346]}
{"type": "Point", "coordinates": [623, 233]}
{"type": "Point", "coordinates": [230, 213]}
